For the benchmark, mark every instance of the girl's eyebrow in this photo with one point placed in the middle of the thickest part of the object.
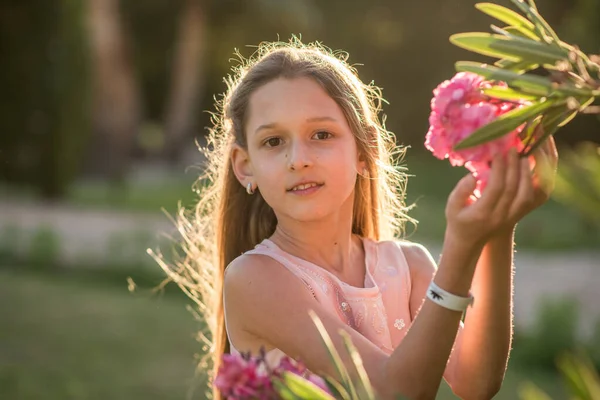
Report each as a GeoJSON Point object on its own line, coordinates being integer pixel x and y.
{"type": "Point", "coordinates": [314, 119]}
{"type": "Point", "coordinates": [320, 119]}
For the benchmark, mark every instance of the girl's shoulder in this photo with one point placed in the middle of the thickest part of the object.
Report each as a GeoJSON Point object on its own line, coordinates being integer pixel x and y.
{"type": "Point", "coordinates": [254, 274]}
{"type": "Point", "coordinates": [249, 264]}
{"type": "Point", "coordinates": [264, 265]}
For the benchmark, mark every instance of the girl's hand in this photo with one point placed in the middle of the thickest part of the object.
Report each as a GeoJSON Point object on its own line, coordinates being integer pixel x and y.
{"type": "Point", "coordinates": [512, 192]}
{"type": "Point", "coordinates": [545, 163]}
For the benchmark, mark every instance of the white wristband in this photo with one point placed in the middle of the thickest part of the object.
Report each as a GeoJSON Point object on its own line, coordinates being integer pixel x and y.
{"type": "Point", "coordinates": [447, 299]}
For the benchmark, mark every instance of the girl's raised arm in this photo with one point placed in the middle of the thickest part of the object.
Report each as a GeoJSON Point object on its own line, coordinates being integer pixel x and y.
{"type": "Point", "coordinates": [267, 305]}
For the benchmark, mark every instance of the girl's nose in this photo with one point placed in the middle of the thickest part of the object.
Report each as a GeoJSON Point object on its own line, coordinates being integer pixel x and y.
{"type": "Point", "coordinates": [299, 156]}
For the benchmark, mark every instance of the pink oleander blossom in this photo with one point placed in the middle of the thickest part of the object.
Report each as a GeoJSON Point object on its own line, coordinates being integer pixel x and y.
{"type": "Point", "coordinates": [458, 109]}
{"type": "Point", "coordinates": [242, 377]}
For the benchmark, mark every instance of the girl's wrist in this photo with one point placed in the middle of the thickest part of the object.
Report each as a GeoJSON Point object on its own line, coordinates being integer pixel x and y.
{"type": "Point", "coordinates": [463, 245]}
{"type": "Point", "coordinates": [507, 233]}
{"type": "Point", "coordinates": [501, 241]}
{"type": "Point", "coordinates": [457, 265]}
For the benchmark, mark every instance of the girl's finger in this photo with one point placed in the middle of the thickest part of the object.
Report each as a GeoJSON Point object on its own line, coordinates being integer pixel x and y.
{"type": "Point", "coordinates": [548, 149]}
{"type": "Point", "coordinates": [551, 146]}
{"type": "Point", "coordinates": [495, 185]}
{"type": "Point", "coordinates": [552, 152]}
{"type": "Point", "coordinates": [460, 196]}
{"type": "Point", "coordinates": [525, 196]}
{"type": "Point", "coordinates": [513, 174]}
{"type": "Point", "coordinates": [544, 172]}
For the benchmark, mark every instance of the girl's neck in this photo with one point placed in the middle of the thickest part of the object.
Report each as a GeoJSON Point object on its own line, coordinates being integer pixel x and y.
{"type": "Point", "coordinates": [330, 246]}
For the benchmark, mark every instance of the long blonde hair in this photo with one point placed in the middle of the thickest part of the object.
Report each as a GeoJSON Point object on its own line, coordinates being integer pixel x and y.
{"type": "Point", "coordinates": [227, 222]}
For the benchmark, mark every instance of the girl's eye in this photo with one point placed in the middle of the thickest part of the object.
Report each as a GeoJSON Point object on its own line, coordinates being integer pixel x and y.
{"type": "Point", "coordinates": [322, 135]}
{"type": "Point", "coordinates": [273, 142]}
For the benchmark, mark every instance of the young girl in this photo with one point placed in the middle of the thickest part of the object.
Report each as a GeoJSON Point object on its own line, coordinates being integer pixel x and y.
{"type": "Point", "coordinates": [304, 210]}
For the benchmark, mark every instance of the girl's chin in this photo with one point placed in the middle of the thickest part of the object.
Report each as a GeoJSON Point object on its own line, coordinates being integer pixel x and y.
{"type": "Point", "coordinates": [311, 214]}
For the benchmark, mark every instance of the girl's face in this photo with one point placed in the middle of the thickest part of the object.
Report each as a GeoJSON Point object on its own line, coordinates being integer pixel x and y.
{"type": "Point", "coordinates": [301, 154]}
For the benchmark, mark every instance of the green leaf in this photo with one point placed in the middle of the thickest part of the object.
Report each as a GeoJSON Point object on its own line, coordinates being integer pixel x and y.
{"type": "Point", "coordinates": [550, 123]}
{"type": "Point", "coordinates": [509, 17]}
{"type": "Point", "coordinates": [526, 9]}
{"type": "Point", "coordinates": [528, 83]}
{"type": "Point", "coordinates": [504, 124]}
{"type": "Point", "coordinates": [284, 392]}
{"type": "Point", "coordinates": [338, 389]}
{"type": "Point", "coordinates": [542, 27]}
{"type": "Point", "coordinates": [511, 30]}
{"type": "Point", "coordinates": [567, 118]}
{"type": "Point", "coordinates": [528, 134]}
{"type": "Point", "coordinates": [518, 32]}
{"type": "Point", "coordinates": [516, 66]}
{"type": "Point", "coordinates": [587, 103]}
{"type": "Point", "coordinates": [513, 48]}
{"type": "Point", "coordinates": [539, 19]}
{"type": "Point", "coordinates": [532, 5]}
{"type": "Point", "coordinates": [334, 356]}
{"type": "Point", "coordinates": [554, 120]}
{"type": "Point", "coordinates": [504, 93]}
{"type": "Point", "coordinates": [304, 389]}
{"type": "Point", "coordinates": [505, 15]}
{"type": "Point", "coordinates": [365, 388]}
{"type": "Point", "coordinates": [481, 43]}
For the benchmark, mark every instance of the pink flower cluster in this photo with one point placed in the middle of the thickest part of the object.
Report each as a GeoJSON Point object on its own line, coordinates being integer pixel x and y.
{"type": "Point", "coordinates": [242, 377]}
{"type": "Point", "coordinates": [458, 109]}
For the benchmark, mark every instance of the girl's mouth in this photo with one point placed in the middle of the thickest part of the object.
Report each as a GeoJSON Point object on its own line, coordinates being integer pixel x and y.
{"type": "Point", "coordinates": [305, 189]}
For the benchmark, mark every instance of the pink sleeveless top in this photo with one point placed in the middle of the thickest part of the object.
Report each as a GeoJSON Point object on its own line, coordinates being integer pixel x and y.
{"type": "Point", "coordinates": [379, 311]}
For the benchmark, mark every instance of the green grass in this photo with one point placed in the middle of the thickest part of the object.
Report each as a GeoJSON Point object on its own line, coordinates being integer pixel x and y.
{"type": "Point", "coordinates": [73, 339]}
{"type": "Point", "coordinates": [66, 337]}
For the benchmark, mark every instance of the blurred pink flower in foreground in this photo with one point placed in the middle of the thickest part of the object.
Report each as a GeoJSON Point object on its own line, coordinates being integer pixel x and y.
{"type": "Point", "coordinates": [458, 109]}
{"type": "Point", "coordinates": [242, 377]}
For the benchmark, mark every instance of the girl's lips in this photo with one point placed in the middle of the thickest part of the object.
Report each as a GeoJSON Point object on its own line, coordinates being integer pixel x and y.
{"type": "Point", "coordinates": [305, 192]}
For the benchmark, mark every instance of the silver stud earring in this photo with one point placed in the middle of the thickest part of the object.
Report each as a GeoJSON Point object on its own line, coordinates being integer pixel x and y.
{"type": "Point", "coordinates": [249, 189]}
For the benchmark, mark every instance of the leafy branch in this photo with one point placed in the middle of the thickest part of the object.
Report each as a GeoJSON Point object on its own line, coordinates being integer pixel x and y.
{"type": "Point", "coordinates": [566, 82]}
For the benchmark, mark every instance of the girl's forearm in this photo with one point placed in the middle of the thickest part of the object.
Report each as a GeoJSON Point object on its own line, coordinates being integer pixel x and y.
{"type": "Point", "coordinates": [486, 338]}
{"type": "Point", "coordinates": [415, 369]}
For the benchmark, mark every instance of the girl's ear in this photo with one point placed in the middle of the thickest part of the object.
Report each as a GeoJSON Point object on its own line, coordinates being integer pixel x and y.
{"type": "Point", "coordinates": [240, 162]}
{"type": "Point", "coordinates": [361, 164]}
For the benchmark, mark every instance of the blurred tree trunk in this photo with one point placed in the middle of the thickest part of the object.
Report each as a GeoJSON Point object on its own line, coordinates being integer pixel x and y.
{"type": "Point", "coordinates": [44, 105]}
{"type": "Point", "coordinates": [187, 79]}
{"type": "Point", "coordinates": [116, 99]}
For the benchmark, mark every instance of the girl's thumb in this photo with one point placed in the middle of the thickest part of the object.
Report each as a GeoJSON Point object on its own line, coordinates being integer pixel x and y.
{"type": "Point", "coordinates": [461, 193]}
